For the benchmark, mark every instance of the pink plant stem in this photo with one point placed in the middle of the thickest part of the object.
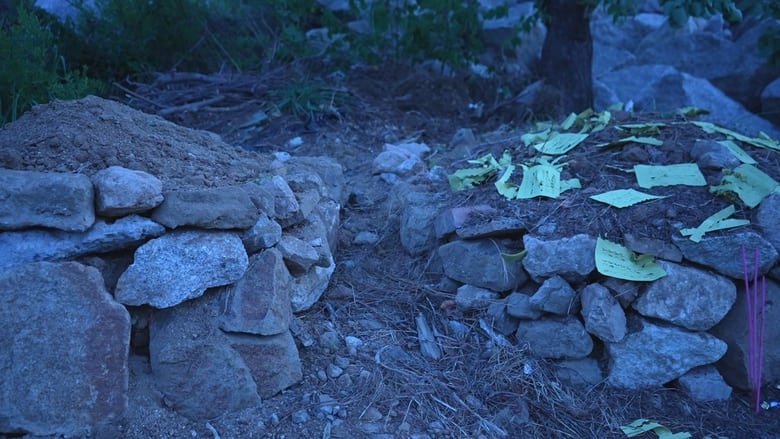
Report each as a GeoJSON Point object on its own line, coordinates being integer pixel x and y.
{"type": "Point", "coordinates": [751, 294]}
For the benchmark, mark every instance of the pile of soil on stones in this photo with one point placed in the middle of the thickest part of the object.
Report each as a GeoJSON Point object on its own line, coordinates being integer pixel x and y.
{"type": "Point", "coordinates": [387, 389]}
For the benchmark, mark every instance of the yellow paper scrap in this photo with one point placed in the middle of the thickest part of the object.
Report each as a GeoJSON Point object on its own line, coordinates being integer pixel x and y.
{"type": "Point", "coordinates": [738, 152]}
{"type": "Point", "coordinates": [624, 197]}
{"type": "Point", "coordinates": [619, 262]}
{"type": "Point", "coordinates": [684, 173]}
{"type": "Point", "coordinates": [631, 139]}
{"type": "Point", "coordinates": [717, 221]}
{"type": "Point", "coordinates": [762, 141]}
{"type": "Point", "coordinates": [749, 183]}
{"type": "Point", "coordinates": [560, 143]}
{"type": "Point", "coordinates": [642, 426]}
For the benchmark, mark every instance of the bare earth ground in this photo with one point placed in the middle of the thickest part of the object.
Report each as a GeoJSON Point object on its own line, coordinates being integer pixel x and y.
{"type": "Point", "coordinates": [387, 389]}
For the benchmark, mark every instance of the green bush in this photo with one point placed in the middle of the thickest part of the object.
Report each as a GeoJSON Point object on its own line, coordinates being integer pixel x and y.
{"type": "Point", "coordinates": [445, 30]}
{"type": "Point", "coordinates": [32, 70]}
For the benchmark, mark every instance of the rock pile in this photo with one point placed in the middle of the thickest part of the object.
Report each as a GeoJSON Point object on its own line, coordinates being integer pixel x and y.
{"type": "Point", "coordinates": [206, 279]}
{"type": "Point", "coordinates": [556, 303]}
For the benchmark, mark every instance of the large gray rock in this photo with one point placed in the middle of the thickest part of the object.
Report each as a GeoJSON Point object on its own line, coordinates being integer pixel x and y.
{"type": "Point", "coordinates": [770, 101]}
{"type": "Point", "coordinates": [331, 173]}
{"type": "Point", "coordinates": [287, 211]}
{"type": "Point", "coordinates": [571, 258]}
{"type": "Point", "coordinates": [700, 51]}
{"type": "Point", "coordinates": [555, 337]}
{"type": "Point", "coordinates": [180, 266]}
{"type": "Point", "coordinates": [273, 361]}
{"type": "Point", "coordinates": [121, 191]}
{"type": "Point", "coordinates": [733, 329]}
{"type": "Point", "coordinates": [723, 253]}
{"type": "Point", "coordinates": [655, 355]}
{"type": "Point", "coordinates": [556, 296]}
{"type": "Point", "coordinates": [259, 302]}
{"type": "Point", "coordinates": [307, 287]}
{"type": "Point", "coordinates": [208, 208]}
{"type": "Point", "coordinates": [299, 255]}
{"type": "Point", "coordinates": [687, 297]}
{"type": "Point", "coordinates": [705, 383]}
{"type": "Point", "coordinates": [657, 87]}
{"type": "Point", "coordinates": [64, 351]}
{"type": "Point", "coordinates": [602, 314]}
{"type": "Point", "coordinates": [417, 231]}
{"type": "Point", "coordinates": [264, 234]}
{"type": "Point", "coordinates": [194, 366]}
{"type": "Point", "coordinates": [480, 263]}
{"type": "Point", "coordinates": [519, 305]}
{"type": "Point", "coordinates": [20, 247]}
{"type": "Point", "coordinates": [768, 219]}
{"type": "Point", "coordinates": [470, 298]}
{"type": "Point", "coordinates": [308, 188]}
{"type": "Point", "coordinates": [48, 199]}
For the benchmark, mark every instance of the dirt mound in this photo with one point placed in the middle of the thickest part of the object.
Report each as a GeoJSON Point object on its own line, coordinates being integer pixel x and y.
{"type": "Point", "coordinates": [91, 134]}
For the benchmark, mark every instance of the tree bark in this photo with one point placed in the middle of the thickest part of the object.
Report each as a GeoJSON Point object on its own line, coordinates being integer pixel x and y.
{"type": "Point", "coordinates": [567, 56]}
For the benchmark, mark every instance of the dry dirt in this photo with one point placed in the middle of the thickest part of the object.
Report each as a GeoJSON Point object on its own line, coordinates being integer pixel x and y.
{"type": "Point", "coordinates": [475, 390]}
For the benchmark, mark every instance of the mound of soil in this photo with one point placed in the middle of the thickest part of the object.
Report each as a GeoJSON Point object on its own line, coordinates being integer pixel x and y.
{"type": "Point", "coordinates": [91, 134]}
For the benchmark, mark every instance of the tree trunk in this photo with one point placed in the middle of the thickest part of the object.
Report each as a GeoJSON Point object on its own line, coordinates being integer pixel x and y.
{"type": "Point", "coordinates": [567, 56]}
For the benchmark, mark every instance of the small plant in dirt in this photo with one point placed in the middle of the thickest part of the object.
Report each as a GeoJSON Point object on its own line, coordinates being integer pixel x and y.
{"type": "Point", "coordinates": [307, 99]}
{"type": "Point", "coordinates": [33, 71]}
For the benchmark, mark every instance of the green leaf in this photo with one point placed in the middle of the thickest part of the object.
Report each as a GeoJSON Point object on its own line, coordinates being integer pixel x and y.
{"type": "Point", "coordinates": [514, 257]}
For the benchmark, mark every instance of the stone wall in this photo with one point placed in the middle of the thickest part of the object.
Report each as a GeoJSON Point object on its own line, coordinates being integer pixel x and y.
{"type": "Point", "coordinates": [204, 279]}
{"type": "Point", "coordinates": [556, 303]}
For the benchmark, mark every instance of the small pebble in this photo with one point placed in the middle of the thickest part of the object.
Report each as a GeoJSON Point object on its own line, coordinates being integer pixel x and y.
{"type": "Point", "coordinates": [330, 341]}
{"type": "Point", "coordinates": [300, 416]}
{"type": "Point", "coordinates": [345, 381]}
{"type": "Point", "coordinates": [322, 375]}
{"type": "Point", "coordinates": [366, 238]}
{"type": "Point", "coordinates": [342, 362]}
{"type": "Point", "coordinates": [334, 371]}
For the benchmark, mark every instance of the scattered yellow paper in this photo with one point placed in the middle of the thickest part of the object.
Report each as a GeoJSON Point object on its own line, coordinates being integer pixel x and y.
{"type": "Point", "coordinates": [560, 143]}
{"type": "Point", "coordinates": [541, 180]}
{"type": "Point", "coordinates": [762, 141]}
{"type": "Point", "coordinates": [716, 221]}
{"type": "Point", "coordinates": [738, 152]}
{"type": "Point", "coordinates": [642, 426]}
{"type": "Point", "coordinates": [749, 183]}
{"type": "Point", "coordinates": [624, 197]}
{"type": "Point", "coordinates": [506, 187]}
{"type": "Point", "coordinates": [642, 129]}
{"type": "Point", "coordinates": [616, 261]}
{"type": "Point", "coordinates": [684, 173]}
{"type": "Point", "coordinates": [631, 139]}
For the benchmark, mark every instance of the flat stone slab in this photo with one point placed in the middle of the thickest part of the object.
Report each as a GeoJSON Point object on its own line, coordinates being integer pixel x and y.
{"type": "Point", "coordinates": [180, 266]}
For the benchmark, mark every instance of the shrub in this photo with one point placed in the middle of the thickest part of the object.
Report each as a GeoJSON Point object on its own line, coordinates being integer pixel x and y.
{"type": "Point", "coordinates": [33, 71]}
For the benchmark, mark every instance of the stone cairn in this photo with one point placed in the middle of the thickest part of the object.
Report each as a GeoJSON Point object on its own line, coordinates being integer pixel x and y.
{"type": "Point", "coordinates": [203, 279]}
